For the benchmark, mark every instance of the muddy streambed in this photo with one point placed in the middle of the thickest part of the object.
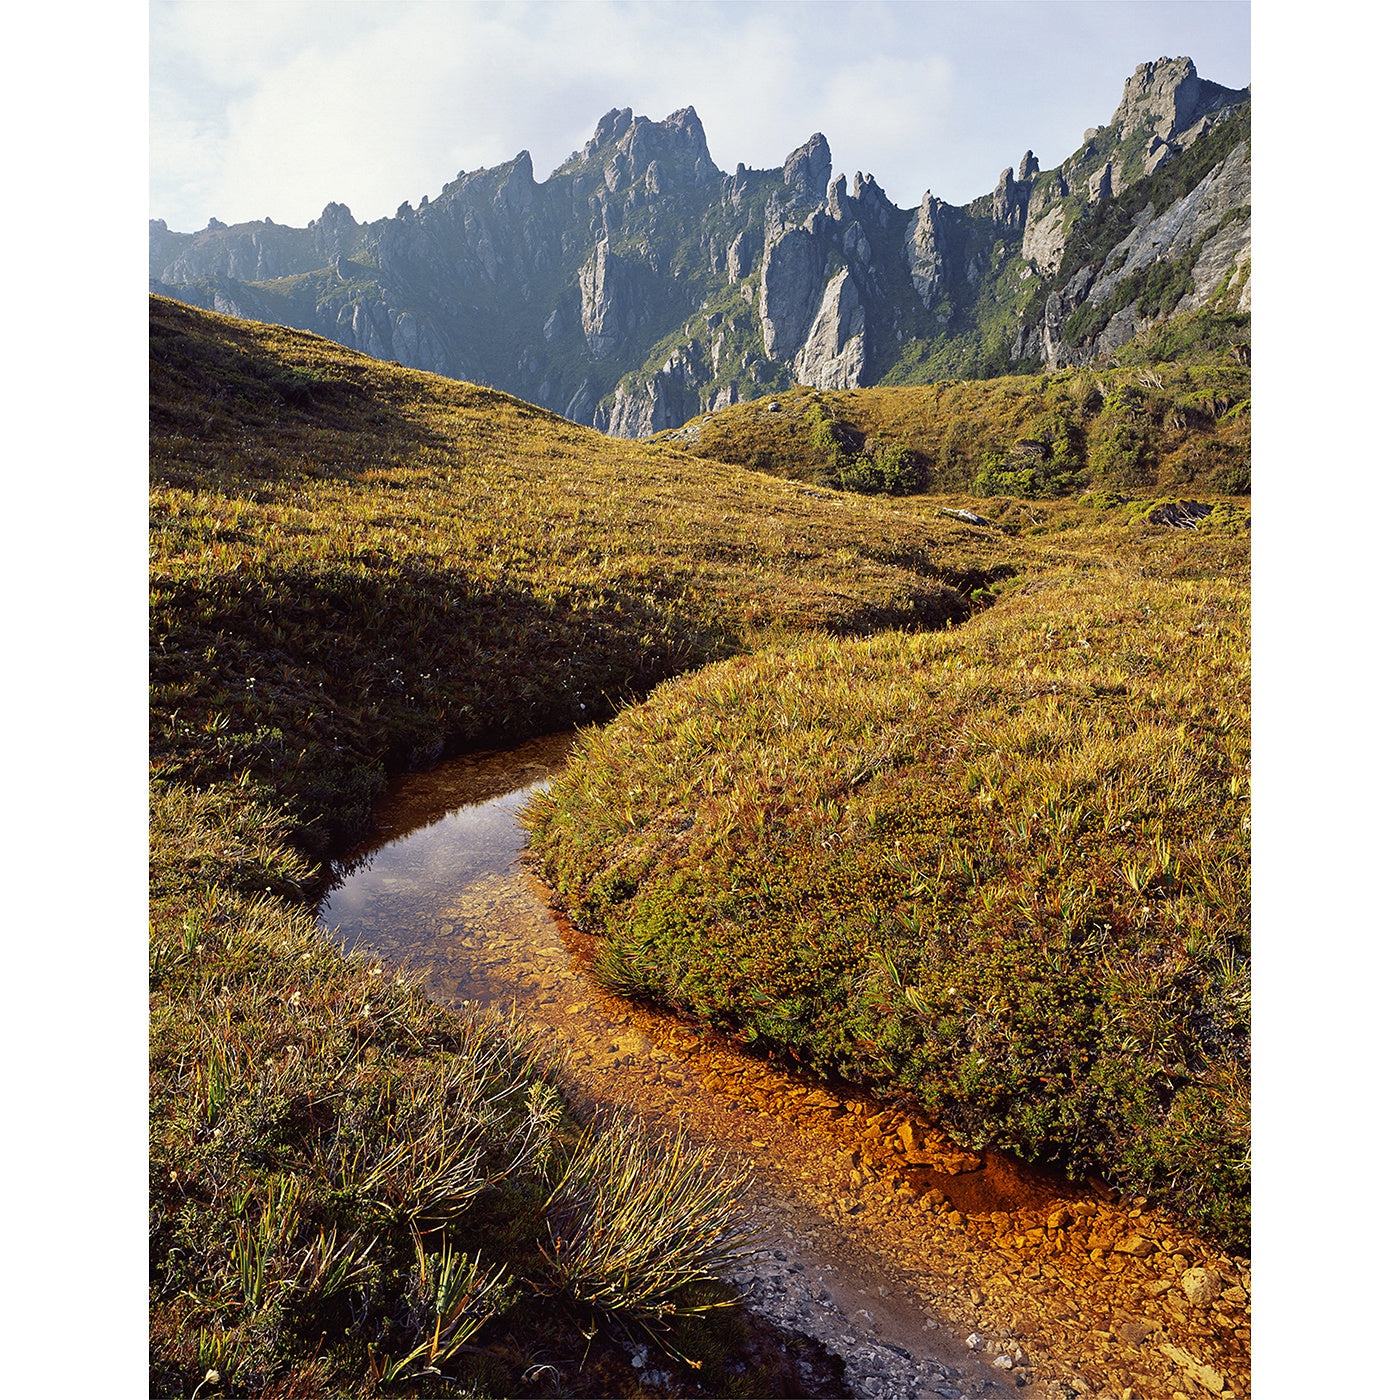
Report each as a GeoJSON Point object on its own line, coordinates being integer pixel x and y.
{"type": "Point", "coordinates": [928, 1270]}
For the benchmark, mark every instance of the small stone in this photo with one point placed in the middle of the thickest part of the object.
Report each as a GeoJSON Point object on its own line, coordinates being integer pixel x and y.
{"type": "Point", "coordinates": [1136, 1246]}
{"type": "Point", "coordinates": [1003, 1362]}
{"type": "Point", "coordinates": [1206, 1376]}
{"type": "Point", "coordinates": [1134, 1331]}
{"type": "Point", "coordinates": [975, 1342]}
{"type": "Point", "coordinates": [1201, 1286]}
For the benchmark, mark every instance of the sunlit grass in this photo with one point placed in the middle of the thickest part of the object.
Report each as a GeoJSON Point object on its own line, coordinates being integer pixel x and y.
{"type": "Point", "coordinates": [1003, 866]}
{"type": "Point", "coordinates": [1004, 869]}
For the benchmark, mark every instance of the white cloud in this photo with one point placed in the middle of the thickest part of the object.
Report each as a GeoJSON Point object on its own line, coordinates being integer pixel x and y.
{"type": "Point", "coordinates": [276, 108]}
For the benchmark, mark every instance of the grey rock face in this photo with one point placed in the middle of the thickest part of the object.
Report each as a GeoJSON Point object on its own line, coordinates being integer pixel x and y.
{"type": "Point", "coordinates": [1167, 97]}
{"type": "Point", "coordinates": [607, 315]}
{"type": "Point", "coordinates": [790, 291]}
{"type": "Point", "coordinates": [1009, 201]}
{"type": "Point", "coordinates": [833, 356]}
{"type": "Point", "coordinates": [923, 248]}
{"type": "Point", "coordinates": [1167, 237]}
{"type": "Point", "coordinates": [738, 261]}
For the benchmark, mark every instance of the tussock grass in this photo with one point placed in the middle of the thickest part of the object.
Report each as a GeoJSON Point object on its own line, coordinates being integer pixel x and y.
{"type": "Point", "coordinates": [635, 1225]}
{"type": "Point", "coordinates": [355, 568]}
{"type": "Point", "coordinates": [1003, 870]}
{"type": "Point", "coordinates": [1141, 427]}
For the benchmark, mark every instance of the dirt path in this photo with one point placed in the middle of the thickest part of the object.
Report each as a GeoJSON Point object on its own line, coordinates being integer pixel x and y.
{"type": "Point", "coordinates": [929, 1270]}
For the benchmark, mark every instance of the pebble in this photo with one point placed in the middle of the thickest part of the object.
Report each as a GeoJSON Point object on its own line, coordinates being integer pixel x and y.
{"type": "Point", "coordinates": [1201, 1286]}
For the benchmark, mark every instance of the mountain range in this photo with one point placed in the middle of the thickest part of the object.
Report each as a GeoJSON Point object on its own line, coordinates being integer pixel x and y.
{"type": "Point", "coordinates": [639, 285]}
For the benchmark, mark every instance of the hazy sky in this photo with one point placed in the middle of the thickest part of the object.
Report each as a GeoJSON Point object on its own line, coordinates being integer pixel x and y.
{"type": "Point", "coordinates": [274, 107]}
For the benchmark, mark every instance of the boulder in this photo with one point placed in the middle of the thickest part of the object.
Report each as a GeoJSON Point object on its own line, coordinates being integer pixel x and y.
{"type": "Point", "coordinates": [1201, 1286]}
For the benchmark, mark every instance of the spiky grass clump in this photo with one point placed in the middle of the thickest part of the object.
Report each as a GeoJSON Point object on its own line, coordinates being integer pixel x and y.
{"type": "Point", "coordinates": [636, 1222]}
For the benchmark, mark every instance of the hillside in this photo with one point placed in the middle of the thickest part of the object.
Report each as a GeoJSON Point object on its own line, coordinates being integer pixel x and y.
{"type": "Point", "coordinates": [1170, 412]}
{"type": "Point", "coordinates": [639, 285]}
{"type": "Point", "coordinates": [955, 811]}
{"type": "Point", "coordinates": [355, 568]}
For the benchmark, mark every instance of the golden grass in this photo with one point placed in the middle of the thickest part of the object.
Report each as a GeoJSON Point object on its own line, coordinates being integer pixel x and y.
{"type": "Point", "coordinates": [1002, 869]}
{"type": "Point", "coordinates": [916, 855]}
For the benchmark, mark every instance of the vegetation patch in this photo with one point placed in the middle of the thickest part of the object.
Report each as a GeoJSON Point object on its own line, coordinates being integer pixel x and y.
{"type": "Point", "coordinates": [353, 1191]}
{"type": "Point", "coordinates": [1140, 425]}
{"type": "Point", "coordinates": [1002, 871]}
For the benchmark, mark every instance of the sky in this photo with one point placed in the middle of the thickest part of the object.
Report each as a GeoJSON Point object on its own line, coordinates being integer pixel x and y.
{"type": "Point", "coordinates": [273, 108]}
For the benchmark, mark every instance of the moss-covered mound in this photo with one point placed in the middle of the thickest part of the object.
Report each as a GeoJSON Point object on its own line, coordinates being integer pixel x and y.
{"type": "Point", "coordinates": [1003, 869]}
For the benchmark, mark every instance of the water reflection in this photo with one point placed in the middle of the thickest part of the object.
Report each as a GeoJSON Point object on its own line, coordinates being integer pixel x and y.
{"type": "Point", "coordinates": [445, 853]}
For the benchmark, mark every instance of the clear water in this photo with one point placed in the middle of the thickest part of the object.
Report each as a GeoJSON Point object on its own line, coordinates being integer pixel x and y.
{"type": "Point", "coordinates": [441, 889]}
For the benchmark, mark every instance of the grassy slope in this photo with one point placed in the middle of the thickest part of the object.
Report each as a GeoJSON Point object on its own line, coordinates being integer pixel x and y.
{"type": "Point", "coordinates": [304, 497]}
{"type": "Point", "coordinates": [354, 567]}
{"type": "Point", "coordinates": [1002, 869]}
{"type": "Point", "coordinates": [1183, 424]}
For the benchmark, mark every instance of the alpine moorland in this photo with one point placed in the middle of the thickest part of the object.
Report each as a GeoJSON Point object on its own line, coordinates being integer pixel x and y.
{"type": "Point", "coordinates": [956, 810]}
{"type": "Point", "coordinates": [912, 699]}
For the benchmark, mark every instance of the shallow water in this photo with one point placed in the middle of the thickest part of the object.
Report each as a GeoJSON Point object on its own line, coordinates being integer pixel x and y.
{"type": "Point", "coordinates": [443, 891]}
{"type": "Point", "coordinates": [439, 887]}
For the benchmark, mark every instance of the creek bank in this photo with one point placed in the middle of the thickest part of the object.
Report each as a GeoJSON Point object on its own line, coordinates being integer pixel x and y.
{"type": "Point", "coordinates": [926, 1269]}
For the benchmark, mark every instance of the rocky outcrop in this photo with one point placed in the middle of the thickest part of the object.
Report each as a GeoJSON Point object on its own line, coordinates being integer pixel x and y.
{"type": "Point", "coordinates": [928, 235]}
{"type": "Point", "coordinates": [665, 399]}
{"type": "Point", "coordinates": [639, 252]}
{"type": "Point", "coordinates": [1206, 232]}
{"type": "Point", "coordinates": [807, 170]}
{"type": "Point", "coordinates": [790, 290]}
{"type": "Point", "coordinates": [608, 315]}
{"type": "Point", "coordinates": [833, 356]}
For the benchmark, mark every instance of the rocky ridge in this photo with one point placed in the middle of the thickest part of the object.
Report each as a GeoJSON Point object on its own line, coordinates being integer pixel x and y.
{"type": "Point", "coordinates": [639, 285]}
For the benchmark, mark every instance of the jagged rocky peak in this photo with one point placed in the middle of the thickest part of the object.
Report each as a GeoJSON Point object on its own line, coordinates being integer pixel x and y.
{"type": "Point", "coordinates": [668, 152]}
{"type": "Point", "coordinates": [866, 200]}
{"type": "Point", "coordinates": [807, 170]}
{"type": "Point", "coordinates": [334, 218]}
{"type": "Point", "coordinates": [611, 127]}
{"type": "Point", "coordinates": [517, 191]}
{"type": "Point", "coordinates": [1167, 98]}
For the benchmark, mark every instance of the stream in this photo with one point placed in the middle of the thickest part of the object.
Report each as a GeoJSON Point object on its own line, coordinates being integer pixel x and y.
{"type": "Point", "coordinates": [863, 1238]}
